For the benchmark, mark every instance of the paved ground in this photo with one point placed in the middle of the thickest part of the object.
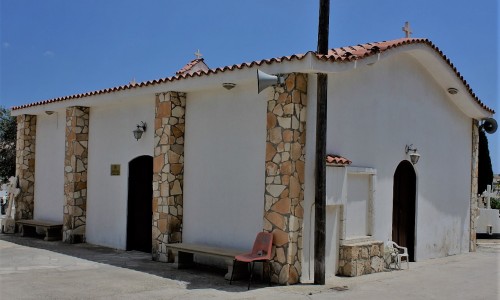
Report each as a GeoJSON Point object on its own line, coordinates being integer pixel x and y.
{"type": "Point", "coordinates": [34, 269]}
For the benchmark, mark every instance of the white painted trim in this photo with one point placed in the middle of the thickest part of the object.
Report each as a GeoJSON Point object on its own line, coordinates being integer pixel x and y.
{"type": "Point", "coordinates": [361, 171]}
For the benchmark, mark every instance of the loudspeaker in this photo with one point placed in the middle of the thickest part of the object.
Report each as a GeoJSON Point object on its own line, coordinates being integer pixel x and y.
{"type": "Point", "coordinates": [489, 125]}
{"type": "Point", "coordinates": [265, 80]}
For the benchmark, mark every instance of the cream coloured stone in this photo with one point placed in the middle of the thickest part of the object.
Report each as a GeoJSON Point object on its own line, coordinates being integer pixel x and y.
{"type": "Point", "coordinates": [285, 122]}
{"type": "Point", "coordinates": [172, 210]}
{"type": "Point", "coordinates": [270, 105]}
{"type": "Point", "coordinates": [288, 109]}
{"type": "Point", "coordinates": [377, 264]}
{"type": "Point", "coordinates": [80, 167]}
{"type": "Point", "coordinates": [277, 158]}
{"type": "Point", "coordinates": [268, 202]}
{"type": "Point", "coordinates": [364, 253]}
{"type": "Point", "coordinates": [278, 110]}
{"type": "Point", "coordinates": [275, 135]}
{"type": "Point", "coordinates": [280, 255]}
{"type": "Point", "coordinates": [295, 223]}
{"type": "Point", "coordinates": [284, 274]}
{"type": "Point", "coordinates": [293, 275]}
{"type": "Point", "coordinates": [303, 114]}
{"type": "Point", "coordinates": [275, 190]}
{"type": "Point", "coordinates": [285, 156]}
{"type": "Point", "coordinates": [271, 169]}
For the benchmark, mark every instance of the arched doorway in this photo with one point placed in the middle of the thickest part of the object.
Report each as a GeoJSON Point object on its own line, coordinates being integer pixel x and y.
{"type": "Point", "coordinates": [403, 207]}
{"type": "Point", "coordinates": [140, 203]}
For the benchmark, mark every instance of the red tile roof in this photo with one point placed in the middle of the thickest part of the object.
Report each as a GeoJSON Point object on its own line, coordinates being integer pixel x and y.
{"type": "Point", "coordinates": [337, 160]}
{"type": "Point", "coordinates": [342, 54]}
{"type": "Point", "coordinates": [190, 66]}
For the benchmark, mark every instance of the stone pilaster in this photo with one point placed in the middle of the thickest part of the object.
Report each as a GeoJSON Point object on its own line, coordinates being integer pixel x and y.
{"type": "Point", "coordinates": [168, 172]}
{"type": "Point", "coordinates": [285, 160]}
{"type": "Point", "coordinates": [75, 174]}
{"type": "Point", "coordinates": [474, 210]}
{"type": "Point", "coordinates": [25, 165]}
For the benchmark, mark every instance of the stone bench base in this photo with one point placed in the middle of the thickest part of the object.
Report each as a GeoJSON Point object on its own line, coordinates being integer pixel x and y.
{"type": "Point", "coordinates": [8, 225]}
{"type": "Point", "coordinates": [184, 253]}
{"type": "Point", "coordinates": [53, 231]}
{"type": "Point", "coordinates": [359, 258]}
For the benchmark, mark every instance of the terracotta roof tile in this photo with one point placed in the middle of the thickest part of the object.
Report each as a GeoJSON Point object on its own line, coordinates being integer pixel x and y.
{"type": "Point", "coordinates": [342, 54]}
{"type": "Point", "coordinates": [337, 160]}
{"type": "Point", "coordinates": [187, 69]}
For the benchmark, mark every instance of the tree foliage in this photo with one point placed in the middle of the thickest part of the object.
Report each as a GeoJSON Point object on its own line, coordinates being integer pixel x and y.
{"type": "Point", "coordinates": [8, 127]}
{"type": "Point", "coordinates": [485, 170]}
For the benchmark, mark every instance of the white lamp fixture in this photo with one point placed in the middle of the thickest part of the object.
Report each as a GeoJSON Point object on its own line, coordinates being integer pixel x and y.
{"type": "Point", "coordinates": [140, 130]}
{"type": "Point", "coordinates": [452, 91]}
{"type": "Point", "coordinates": [414, 156]}
{"type": "Point", "coordinates": [228, 85]}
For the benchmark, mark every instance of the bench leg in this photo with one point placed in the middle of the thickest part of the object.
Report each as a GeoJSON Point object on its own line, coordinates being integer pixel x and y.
{"type": "Point", "coordinates": [27, 230]}
{"type": "Point", "coordinates": [230, 270]}
{"type": "Point", "coordinates": [53, 234]}
{"type": "Point", "coordinates": [182, 259]}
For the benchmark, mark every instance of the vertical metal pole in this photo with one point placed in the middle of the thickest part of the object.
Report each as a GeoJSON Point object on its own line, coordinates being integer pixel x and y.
{"type": "Point", "coordinates": [320, 176]}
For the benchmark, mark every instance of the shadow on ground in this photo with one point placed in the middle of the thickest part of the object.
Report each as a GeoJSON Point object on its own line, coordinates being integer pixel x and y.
{"type": "Point", "coordinates": [197, 277]}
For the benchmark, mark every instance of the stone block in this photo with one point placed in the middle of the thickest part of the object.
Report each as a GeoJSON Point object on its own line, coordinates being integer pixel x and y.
{"type": "Point", "coordinates": [283, 206]}
{"type": "Point", "coordinates": [276, 219]}
{"type": "Point", "coordinates": [280, 237]}
{"type": "Point", "coordinates": [364, 252]}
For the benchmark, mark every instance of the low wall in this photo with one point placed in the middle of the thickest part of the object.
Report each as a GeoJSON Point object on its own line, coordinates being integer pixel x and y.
{"type": "Point", "coordinates": [361, 258]}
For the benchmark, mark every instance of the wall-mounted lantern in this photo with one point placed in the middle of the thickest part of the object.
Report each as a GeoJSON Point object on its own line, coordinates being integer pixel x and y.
{"type": "Point", "coordinates": [414, 156]}
{"type": "Point", "coordinates": [228, 85]}
{"type": "Point", "coordinates": [140, 130]}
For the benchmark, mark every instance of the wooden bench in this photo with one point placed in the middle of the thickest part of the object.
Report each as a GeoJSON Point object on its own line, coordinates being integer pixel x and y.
{"type": "Point", "coordinates": [184, 253]}
{"type": "Point", "coordinates": [53, 231]}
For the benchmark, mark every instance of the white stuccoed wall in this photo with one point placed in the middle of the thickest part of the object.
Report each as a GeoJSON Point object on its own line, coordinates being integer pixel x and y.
{"type": "Point", "coordinates": [111, 142]}
{"type": "Point", "coordinates": [373, 112]}
{"type": "Point", "coordinates": [49, 166]}
{"type": "Point", "coordinates": [224, 173]}
{"type": "Point", "coordinates": [356, 209]}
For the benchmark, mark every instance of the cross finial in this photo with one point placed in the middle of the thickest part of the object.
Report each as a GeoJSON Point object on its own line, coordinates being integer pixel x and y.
{"type": "Point", "coordinates": [198, 54]}
{"type": "Point", "coordinates": [407, 29]}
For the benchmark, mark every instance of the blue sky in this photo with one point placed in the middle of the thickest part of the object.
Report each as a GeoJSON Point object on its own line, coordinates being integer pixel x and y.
{"type": "Point", "coordinates": [52, 48]}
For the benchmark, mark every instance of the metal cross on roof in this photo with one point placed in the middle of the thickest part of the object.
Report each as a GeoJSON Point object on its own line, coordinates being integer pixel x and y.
{"type": "Point", "coordinates": [198, 54]}
{"type": "Point", "coordinates": [407, 29]}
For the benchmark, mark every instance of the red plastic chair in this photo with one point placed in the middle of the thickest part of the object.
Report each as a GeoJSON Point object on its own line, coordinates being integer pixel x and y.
{"type": "Point", "coordinates": [261, 252]}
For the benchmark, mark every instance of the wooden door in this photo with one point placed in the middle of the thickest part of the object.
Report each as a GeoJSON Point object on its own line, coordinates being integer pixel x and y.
{"type": "Point", "coordinates": [403, 209]}
{"type": "Point", "coordinates": [140, 204]}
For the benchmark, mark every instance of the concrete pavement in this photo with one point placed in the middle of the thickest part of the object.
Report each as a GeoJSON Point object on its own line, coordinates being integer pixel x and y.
{"type": "Point", "coordinates": [31, 268]}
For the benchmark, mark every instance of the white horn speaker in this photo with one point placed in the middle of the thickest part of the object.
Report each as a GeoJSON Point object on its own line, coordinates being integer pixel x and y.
{"type": "Point", "coordinates": [265, 80]}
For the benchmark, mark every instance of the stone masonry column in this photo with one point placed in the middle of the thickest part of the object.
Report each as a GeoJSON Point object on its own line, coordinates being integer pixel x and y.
{"type": "Point", "coordinates": [474, 210]}
{"type": "Point", "coordinates": [168, 172]}
{"type": "Point", "coordinates": [75, 174]}
{"type": "Point", "coordinates": [285, 159]}
{"type": "Point", "coordinates": [25, 165]}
